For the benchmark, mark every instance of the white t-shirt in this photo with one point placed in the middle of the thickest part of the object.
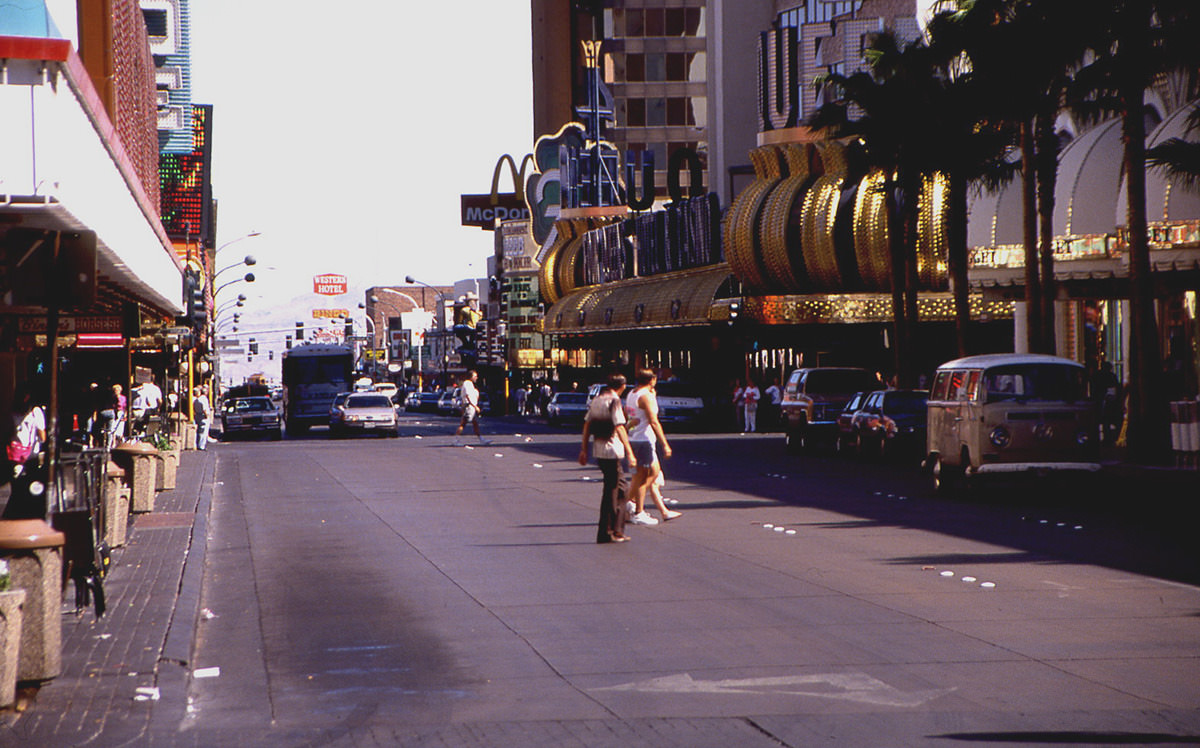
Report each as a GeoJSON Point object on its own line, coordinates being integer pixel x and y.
{"type": "Point", "coordinates": [639, 418]}
{"type": "Point", "coordinates": [28, 427]}
{"type": "Point", "coordinates": [607, 406]}
{"type": "Point", "coordinates": [750, 397]}
{"type": "Point", "coordinates": [147, 396]}
{"type": "Point", "coordinates": [468, 395]}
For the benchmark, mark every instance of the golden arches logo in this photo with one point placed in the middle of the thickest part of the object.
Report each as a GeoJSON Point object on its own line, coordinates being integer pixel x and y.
{"type": "Point", "coordinates": [518, 176]}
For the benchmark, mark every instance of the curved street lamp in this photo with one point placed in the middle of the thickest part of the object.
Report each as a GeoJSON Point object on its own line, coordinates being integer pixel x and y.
{"type": "Point", "coordinates": [248, 278]}
{"type": "Point", "coordinates": [441, 319]}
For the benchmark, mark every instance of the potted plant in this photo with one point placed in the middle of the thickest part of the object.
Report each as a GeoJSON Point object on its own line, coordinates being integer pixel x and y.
{"type": "Point", "coordinates": [11, 603]}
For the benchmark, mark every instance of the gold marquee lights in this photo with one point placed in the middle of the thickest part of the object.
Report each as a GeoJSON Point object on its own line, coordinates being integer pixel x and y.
{"type": "Point", "coordinates": [781, 232]}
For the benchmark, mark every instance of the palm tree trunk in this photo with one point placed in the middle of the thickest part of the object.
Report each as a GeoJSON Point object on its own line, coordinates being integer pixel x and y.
{"type": "Point", "coordinates": [907, 376]}
{"type": "Point", "coordinates": [1147, 434]}
{"type": "Point", "coordinates": [896, 238]}
{"type": "Point", "coordinates": [957, 260]}
{"type": "Point", "coordinates": [1047, 173]}
{"type": "Point", "coordinates": [1033, 287]}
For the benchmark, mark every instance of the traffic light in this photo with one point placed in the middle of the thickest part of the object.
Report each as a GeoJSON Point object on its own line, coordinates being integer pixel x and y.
{"type": "Point", "coordinates": [299, 331]}
{"type": "Point", "coordinates": [349, 329]}
{"type": "Point", "coordinates": [197, 313]}
{"type": "Point", "coordinates": [287, 342]}
{"type": "Point", "coordinates": [253, 347]}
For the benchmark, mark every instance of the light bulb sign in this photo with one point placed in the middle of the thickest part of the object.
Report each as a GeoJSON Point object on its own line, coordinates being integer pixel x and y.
{"type": "Point", "coordinates": [330, 284]}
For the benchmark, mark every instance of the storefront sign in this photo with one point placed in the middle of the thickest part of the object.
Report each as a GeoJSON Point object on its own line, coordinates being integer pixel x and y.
{"type": "Point", "coordinates": [330, 313]}
{"type": "Point", "coordinates": [484, 210]}
{"type": "Point", "coordinates": [687, 234]}
{"type": "Point", "coordinates": [329, 284]}
{"type": "Point", "coordinates": [70, 324]}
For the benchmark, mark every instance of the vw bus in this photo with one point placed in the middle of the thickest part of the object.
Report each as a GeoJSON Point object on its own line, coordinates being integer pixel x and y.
{"type": "Point", "coordinates": [1006, 413]}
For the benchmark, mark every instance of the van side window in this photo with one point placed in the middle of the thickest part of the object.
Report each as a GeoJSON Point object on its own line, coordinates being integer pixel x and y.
{"type": "Point", "coordinates": [940, 383]}
{"type": "Point", "coordinates": [954, 391]}
{"type": "Point", "coordinates": [973, 384]}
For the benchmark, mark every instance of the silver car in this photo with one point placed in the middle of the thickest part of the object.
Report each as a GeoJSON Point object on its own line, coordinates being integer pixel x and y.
{"type": "Point", "coordinates": [366, 412]}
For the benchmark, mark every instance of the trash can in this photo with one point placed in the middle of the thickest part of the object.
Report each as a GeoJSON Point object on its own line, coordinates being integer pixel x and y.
{"type": "Point", "coordinates": [140, 463]}
{"type": "Point", "coordinates": [33, 550]}
{"type": "Point", "coordinates": [116, 506]}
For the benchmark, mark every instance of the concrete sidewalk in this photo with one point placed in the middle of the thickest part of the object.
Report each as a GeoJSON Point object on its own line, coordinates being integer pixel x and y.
{"type": "Point", "coordinates": [128, 671]}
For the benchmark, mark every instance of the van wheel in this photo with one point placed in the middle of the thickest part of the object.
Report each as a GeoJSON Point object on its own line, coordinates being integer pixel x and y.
{"type": "Point", "coordinates": [947, 479]}
{"type": "Point", "coordinates": [794, 441]}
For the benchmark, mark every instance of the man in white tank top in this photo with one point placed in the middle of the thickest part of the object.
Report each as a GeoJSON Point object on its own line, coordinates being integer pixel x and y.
{"type": "Point", "coordinates": [641, 411]}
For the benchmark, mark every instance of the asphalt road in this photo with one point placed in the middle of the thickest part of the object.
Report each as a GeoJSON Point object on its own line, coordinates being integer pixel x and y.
{"type": "Point", "coordinates": [410, 592]}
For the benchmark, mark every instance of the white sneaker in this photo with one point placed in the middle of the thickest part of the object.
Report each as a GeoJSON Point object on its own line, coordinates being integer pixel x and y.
{"type": "Point", "coordinates": [670, 502]}
{"type": "Point", "coordinates": [630, 508]}
{"type": "Point", "coordinates": [641, 518]}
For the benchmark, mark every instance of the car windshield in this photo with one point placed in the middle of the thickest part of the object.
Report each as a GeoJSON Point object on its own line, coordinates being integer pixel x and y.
{"type": "Point", "coordinates": [905, 402]}
{"type": "Point", "coordinates": [839, 382]}
{"type": "Point", "coordinates": [1055, 382]}
{"type": "Point", "coordinates": [250, 405]}
{"type": "Point", "coordinates": [675, 389]}
{"type": "Point", "coordinates": [574, 398]}
{"type": "Point", "coordinates": [368, 401]}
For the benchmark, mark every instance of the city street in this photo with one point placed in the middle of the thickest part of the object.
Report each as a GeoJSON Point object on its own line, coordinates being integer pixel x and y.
{"type": "Point", "coordinates": [410, 592]}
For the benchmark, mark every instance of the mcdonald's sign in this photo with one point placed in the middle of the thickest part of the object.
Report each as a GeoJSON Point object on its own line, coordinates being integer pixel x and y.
{"type": "Point", "coordinates": [484, 210]}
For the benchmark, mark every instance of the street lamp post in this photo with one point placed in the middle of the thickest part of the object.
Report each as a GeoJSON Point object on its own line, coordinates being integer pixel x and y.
{"type": "Point", "coordinates": [416, 305]}
{"type": "Point", "coordinates": [441, 317]}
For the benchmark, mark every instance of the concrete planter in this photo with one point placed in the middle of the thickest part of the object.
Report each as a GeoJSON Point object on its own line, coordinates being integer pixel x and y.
{"type": "Point", "coordinates": [12, 603]}
{"type": "Point", "coordinates": [140, 463]}
{"type": "Point", "coordinates": [116, 506]}
{"type": "Point", "coordinates": [34, 551]}
{"type": "Point", "coordinates": [168, 466]}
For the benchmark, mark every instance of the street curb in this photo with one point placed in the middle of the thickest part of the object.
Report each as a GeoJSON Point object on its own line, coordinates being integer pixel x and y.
{"type": "Point", "coordinates": [176, 657]}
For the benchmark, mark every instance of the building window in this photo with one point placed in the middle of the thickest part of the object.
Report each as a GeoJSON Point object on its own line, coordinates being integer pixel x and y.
{"type": "Point", "coordinates": [655, 22]}
{"type": "Point", "coordinates": [156, 22]}
{"type": "Point", "coordinates": [656, 112]}
{"type": "Point", "coordinates": [634, 23]}
{"type": "Point", "coordinates": [635, 68]}
{"type": "Point", "coordinates": [656, 67]}
{"type": "Point", "coordinates": [636, 116]}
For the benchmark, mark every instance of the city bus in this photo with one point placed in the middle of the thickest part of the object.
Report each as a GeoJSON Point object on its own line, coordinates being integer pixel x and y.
{"type": "Point", "coordinates": [313, 374]}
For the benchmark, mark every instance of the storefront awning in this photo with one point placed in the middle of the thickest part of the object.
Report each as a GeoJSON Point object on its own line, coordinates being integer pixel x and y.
{"type": "Point", "coordinates": [673, 300]}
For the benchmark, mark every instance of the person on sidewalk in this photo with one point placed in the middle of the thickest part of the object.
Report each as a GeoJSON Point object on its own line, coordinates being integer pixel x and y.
{"type": "Point", "coordinates": [773, 396]}
{"type": "Point", "coordinates": [24, 453]}
{"type": "Point", "coordinates": [468, 398]}
{"type": "Point", "coordinates": [641, 412]}
{"type": "Point", "coordinates": [202, 411]}
{"type": "Point", "coordinates": [605, 424]}
{"type": "Point", "coordinates": [750, 398]}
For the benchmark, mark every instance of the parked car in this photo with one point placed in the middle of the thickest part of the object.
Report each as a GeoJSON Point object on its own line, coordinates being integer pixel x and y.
{"type": "Point", "coordinates": [890, 423]}
{"type": "Point", "coordinates": [447, 404]}
{"type": "Point", "coordinates": [679, 403]}
{"type": "Point", "coordinates": [387, 388]}
{"type": "Point", "coordinates": [367, 412]}
{"type": "Point", "coordinates": [336, 410]}
{"type": "Point", "coordinates": [843, 440]}
{"type": "Point", "coordinates": [814, 398]}
{"type": "Point", "coordinates": [422, 402]}
{"type": "Point", "coordinates": [1013, 412]}
{"type": "Point", "coordinates": [254, 416]}
{"type": "Point", "coordinates": [567, 407]}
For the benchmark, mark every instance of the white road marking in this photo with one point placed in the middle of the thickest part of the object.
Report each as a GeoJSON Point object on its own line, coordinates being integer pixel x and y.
{"type": "Point", "coordinates": [858, 687]}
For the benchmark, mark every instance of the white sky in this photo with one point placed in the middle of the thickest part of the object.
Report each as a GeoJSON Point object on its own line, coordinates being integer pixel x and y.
{"type": "Point", "coordinates": [345, 133]}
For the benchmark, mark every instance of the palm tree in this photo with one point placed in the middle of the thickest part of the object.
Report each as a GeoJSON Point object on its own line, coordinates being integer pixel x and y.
{"type": "Point", "coordinates": [873, 106]}
{"type": "Point", "coordinates": [1134, 41]}
{"type": "Point", "coordinates": [1180, 158]}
